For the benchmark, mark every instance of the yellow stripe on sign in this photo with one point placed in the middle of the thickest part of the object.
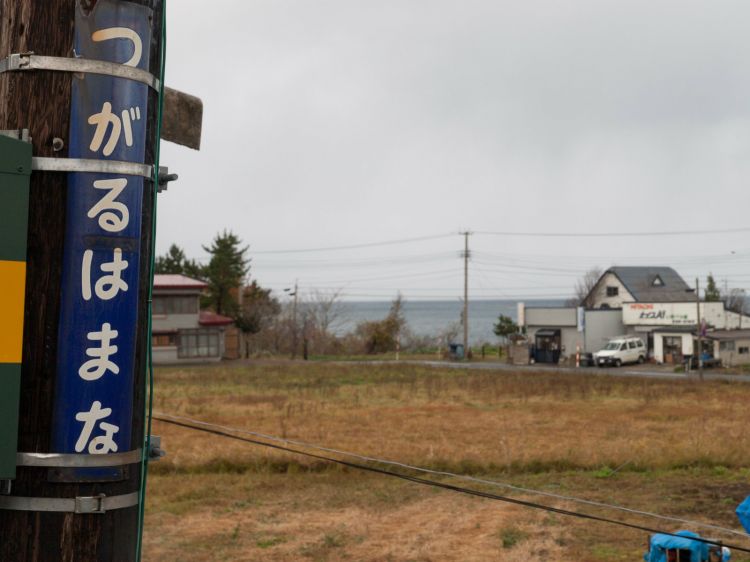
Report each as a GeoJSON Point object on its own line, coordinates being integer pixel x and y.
{"type": "Point", "coordinates": [12, 290]}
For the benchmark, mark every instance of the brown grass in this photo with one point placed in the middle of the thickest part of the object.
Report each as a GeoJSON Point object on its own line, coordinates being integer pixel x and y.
{"type": "Point", "coordinates": [229, 500]}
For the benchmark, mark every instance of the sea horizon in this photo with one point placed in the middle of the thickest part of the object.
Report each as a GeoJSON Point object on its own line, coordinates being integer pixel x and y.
{"type": "Point", "coordinates": [434, 317]}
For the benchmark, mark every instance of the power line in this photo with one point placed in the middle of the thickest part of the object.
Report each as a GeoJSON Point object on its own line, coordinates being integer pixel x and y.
{"type": "Point", "coordinates": [228, 432]}
{"type": "Point", "coordinates": [612, 234]}
{"type": "Point", "coordinates": [356, 246]}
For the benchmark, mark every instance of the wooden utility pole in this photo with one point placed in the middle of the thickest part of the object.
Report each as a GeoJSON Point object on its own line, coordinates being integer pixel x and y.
{"type": "Point", "coordinates": [295, 336]}
{"type": "Point", "coordinates": [40, 101]}
{"type": "Point", "coordinates": [466, 293]}
{"type": "Point", "coordinates": [700, 327]}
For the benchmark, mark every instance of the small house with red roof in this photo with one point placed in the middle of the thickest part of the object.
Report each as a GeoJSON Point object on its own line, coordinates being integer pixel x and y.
{"type": "Point", "coordinates": [181, 331]}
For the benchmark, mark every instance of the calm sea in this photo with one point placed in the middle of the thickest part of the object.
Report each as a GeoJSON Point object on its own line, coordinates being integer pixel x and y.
{"type": "Point", "coordinates": [432, 318]}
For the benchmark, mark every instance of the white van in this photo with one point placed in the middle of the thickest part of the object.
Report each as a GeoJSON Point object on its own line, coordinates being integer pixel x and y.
{"type": "Point", "coordinates": [620, 350]}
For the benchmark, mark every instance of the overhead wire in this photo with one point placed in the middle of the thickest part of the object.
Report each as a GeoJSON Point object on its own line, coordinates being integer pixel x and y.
{"type": "Point", "coordinates": [356, 246]}
{"type": "Point", "coordinates": [498, 269]}
{"type": "Point", "coordinates": [612, 234]}
{"type": "Point", "coordinates": [282, 444]}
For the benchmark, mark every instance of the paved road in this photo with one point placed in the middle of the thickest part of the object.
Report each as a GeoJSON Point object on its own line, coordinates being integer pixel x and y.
{"type": "Point", "coordinates": [639, 372]}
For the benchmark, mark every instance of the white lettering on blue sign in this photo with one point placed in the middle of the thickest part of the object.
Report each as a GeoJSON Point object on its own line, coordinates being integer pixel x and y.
{"type": "Point", "coordinates": [107, 286]}
{"type": "Point", "coordinates": [101, 444]}
{"type": "Point", "coordinates": [104, 119]}
{"type": "Point", "coordinates": [113, 215]}
{"type": "Point", "coordinates": [94, 369]}
{"type": "Point", "coordinates": [99, 305]}
{"type": "Point", "coordinates": [122, 33]}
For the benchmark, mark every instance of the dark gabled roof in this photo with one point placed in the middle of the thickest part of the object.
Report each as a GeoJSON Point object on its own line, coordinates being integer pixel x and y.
{"type": "Point", "coordinates": [653, 284]}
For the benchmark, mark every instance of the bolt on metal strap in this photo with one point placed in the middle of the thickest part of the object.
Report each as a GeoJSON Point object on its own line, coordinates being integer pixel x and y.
{"type": "Point", "coordinates": [30, 61]}
{"type": "Point", "coordinates": [65, 460]}
{"type": "Point", "coordinates": [81, 504]}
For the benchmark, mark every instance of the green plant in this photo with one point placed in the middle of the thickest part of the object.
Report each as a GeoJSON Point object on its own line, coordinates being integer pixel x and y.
{"type": "Point", "coordinates": [269, 542]}
{"type": "Point", "coordinates": [511, 536]}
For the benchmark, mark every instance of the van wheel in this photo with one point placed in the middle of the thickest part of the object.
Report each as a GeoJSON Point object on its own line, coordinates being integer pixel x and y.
{"type": "Point", "coordinates": [618, 363]}
{"type": "Point", "coordinates": [641, 359]}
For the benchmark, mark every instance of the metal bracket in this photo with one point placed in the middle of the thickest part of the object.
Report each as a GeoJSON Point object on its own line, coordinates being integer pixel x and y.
{"type": "Point", "coordinates": [119, 167]}
{"type": "Point", "coordinates": [65, 460]}
{"type": "Point", "coordinates": [164, 178]}
{"type": "Point", "coordinates": [90, 504]}
{"type": "Point", "coordinates": [155, 452]}
{"type": "Point", "coordinates": [81, 504]}
{"type": "Point", "coordinates": [30, 61]}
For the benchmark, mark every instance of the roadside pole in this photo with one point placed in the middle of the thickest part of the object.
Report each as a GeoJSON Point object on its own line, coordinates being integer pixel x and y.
{"type": "Point", "coordinates": [295, 335]}
{"type": "Point", "coordinates": [700, 327]}
{"type": "Point", "coordinates": [40, 100]}
{"type": "Point", "coordinates": [466, 293]}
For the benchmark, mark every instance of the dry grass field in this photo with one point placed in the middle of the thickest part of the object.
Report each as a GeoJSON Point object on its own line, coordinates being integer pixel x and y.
{"type": "Point", "coordinates": [678, 448]}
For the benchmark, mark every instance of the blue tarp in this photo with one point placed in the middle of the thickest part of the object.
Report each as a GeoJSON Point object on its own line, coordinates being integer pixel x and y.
{"type": "Point", "coordinates": [743, 513]}
{"type": "Point", "coordinates": [661, 543]}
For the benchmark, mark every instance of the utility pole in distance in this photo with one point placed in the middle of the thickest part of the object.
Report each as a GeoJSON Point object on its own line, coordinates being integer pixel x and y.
{"type": "Point", "coordinates": [466, 256]}
{"type": "Point", "coordinates": [40, 100]}
{"type": "Point", "coordinates": [700, 327]}
{"type": "Point", "coordinates": [294, 317]}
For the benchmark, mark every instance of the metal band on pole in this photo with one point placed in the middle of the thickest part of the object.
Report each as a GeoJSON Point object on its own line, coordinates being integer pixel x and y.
{"type": "Point", "coordinates": [65, 460]}
{"type": "Point", "coordinates": [41, 164]}
{"type": "Point", "coordinates": [30, 61]}
{"type": "Point", "coordinates": [81, 504]}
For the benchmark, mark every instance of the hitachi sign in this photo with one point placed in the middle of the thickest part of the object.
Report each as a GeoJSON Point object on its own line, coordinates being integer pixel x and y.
{"type": "Point", "coordinates": [653, 315]}
{"type": "Point", "coordinates": [659, 314]}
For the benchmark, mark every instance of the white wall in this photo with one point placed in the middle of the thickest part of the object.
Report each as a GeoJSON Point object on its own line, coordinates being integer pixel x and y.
{"type": "Point", "coordinates": [166, 354]}
{"type": "Point", "coordinates": [552, 317]}
{"type": "Point", "coordinates": [599, 294]}
{"type": "Point", "coordinates": [733, 358]}
{"type": "Point", "coordinates": [600, 327]}
{"type": "Point", "coordinates": [687, 344]}
{"type": "Point", "coordinates": [172, 322]}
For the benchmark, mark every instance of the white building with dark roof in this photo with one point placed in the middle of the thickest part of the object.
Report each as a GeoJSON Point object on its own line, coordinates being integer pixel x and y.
{"type": "Point", "coordinates": [654, 303]}
{"type": "Point", "coordinates": [181, 331]}
{"type": "Point", "coordinates": [619, 285]}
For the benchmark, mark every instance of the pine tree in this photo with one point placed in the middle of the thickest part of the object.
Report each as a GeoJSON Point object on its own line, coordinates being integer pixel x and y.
{"type": "Point", "coordinates": [175, 262]}
{"type": "Point", "coordinates": [712, 293]}
{"type": "Point", "coordinates": [505, 326]}
{"type": "Point", "coordinates": [225, 272]}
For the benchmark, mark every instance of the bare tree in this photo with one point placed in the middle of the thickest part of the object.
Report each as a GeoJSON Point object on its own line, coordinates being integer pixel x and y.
{"type": "Point", "coordinates": [734, 300]}
{"type": "Point", "coordinates": [584, 286]}
{"type": "Point", "coordinates": [325, 308]}
{"type": "Point", "coordinates": [320, 314]}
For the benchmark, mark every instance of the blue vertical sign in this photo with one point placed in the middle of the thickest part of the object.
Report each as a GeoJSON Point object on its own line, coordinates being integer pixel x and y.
{"type": "Point", "coordinates": [99, 300]}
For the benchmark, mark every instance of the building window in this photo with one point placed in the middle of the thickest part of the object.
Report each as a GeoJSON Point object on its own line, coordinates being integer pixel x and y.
{"type": "Point", "coordinates": [613, 291]}
{"type": "Point", "coordinates": [201, 342]}
{"type": "Point", "coordinates": [744, 350]}
{"type": "Point", "coordinates": [726, 346]}
{"type": "Point", "coordinates": [174, 304]}
{"type": "Point", "coordinates": [164, 340]}
{"type": "Point", "coordinates": [657, 282]}
{"type": "Point", "coordinates": [672, 346]}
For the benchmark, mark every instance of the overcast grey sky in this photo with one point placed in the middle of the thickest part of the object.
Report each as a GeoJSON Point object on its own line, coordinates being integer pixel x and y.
{"type": "Point", "coordinates": [341, 122]}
